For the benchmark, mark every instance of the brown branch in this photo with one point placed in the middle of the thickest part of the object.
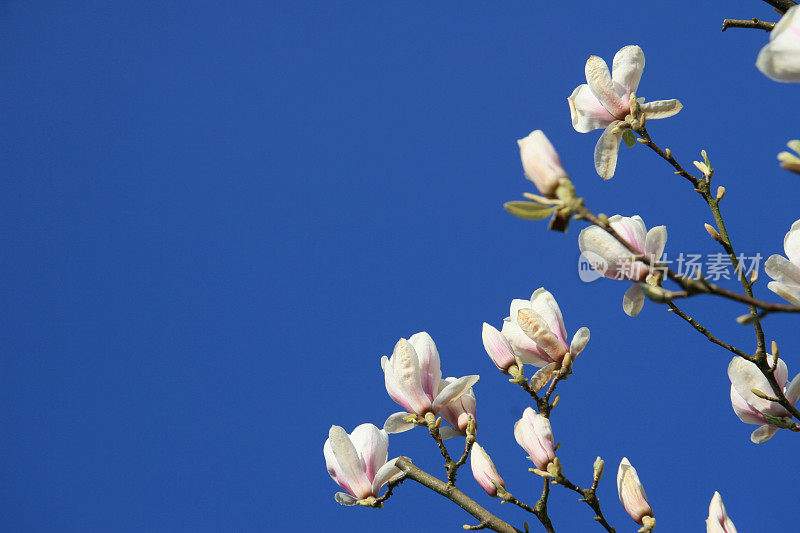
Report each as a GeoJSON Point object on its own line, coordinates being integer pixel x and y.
{"type": "Point", "coordinates": [753, 23]}
{"type": "Point", "coordinates": [487, 519]}
{"type": "Point", "coordinates": [696, 325]}
{"type": "Point", "coordinates": [781, 6]}
{"type": "Point", "coordinates": [589, 496]}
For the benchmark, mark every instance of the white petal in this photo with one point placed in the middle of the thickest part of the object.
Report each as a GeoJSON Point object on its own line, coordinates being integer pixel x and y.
{"type": "Point", "coordinates": [661, 108]}
{"type": "Point", "coordinates": [633, 300]}
{"type": "Point", "coordinates": [780, 58]}
{"type": "Point", "coordinates": [349, 462]}
{"type": "Point", "coordinates": [746, 412]}
{"type": "Point", "coordinates": [372, 445]}
{"type": "Point", "coordinates": [655, 241]}
{"type": "Point", "coordinates": [396, 424]}
{"type": "Point", "coordinates": [791, 243]}
{"type": "Point", "coordinates": [606, 151]}
{"type": "Point", "coordinates": [792, 392]}
{"type": "Point", "coordinates": [781, 269]}
{"type": "Point", "coordinates": [447, 432]}
{"type": "Point", "coordinates": [586, 111]}
{"type": "Point", "coordinates": [524, 347]}
{"type": "Point", "coordinates": [602, 85]}
{"type": "Point", "coordinates": [746, 376]}
{"type": "Point", "coordinates": [538, 330]}
{"type": "Point", "coordinates": [386, 472]}
{"type": "Point", "coordinates": [429, 364]}
{"type": "Point", "coordinates": [453, 391]}
{"type": "Point", "coordinates": [543, 303]}
{"type": "Point", "coordinates": [579, 341]}
{"type": "Point", "coordinates": [406, 374]}
{"type": "Point", "coordinates": [343, 498]}
{"type": "Point", "coordinates": [791, 293]}
{"type": "Point", "coordinates": [628, 66]}
{"type": "Point", "coordinates": [763, 434]}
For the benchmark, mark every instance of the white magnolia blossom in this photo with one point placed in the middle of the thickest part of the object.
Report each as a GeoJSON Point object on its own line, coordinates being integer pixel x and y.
{"type": "Point", "coordinates": [631, 492]}
{"type": "Point", "coordinates": [606, 101]}
{"type": "Point", "coordinates": [780, 58]}
{"type": "Point", "coordinates": [613, 260]}
{"type": "Point", "coordinates": [357, 462]}
{"type": "Point", "coordinates": [541, 163]}
{"type": "Point", "coordinates": [484, 471]}
{"type": "Point", "coordinates": [413, 379]}
{"type": "Point", "coordinates": [535, 435]}
{"type": "Point", "coordinates": [786, 272]}
{"type": "Point", "coordinates": [745, 376]}
{"type": "Point", "coordinates": [718, 521]}
{"type": "Point", "coordinates": [535, 330]}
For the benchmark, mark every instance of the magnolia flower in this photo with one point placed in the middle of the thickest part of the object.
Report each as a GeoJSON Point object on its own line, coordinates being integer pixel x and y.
{"type": "Point", "coordinates": [609, 101]}
{"type": "Point", "coordinates": [541, 163]}
{"type": "Point", "coordinates": [780, 58]}
{"type": "Point", "coordinates": [484, 471]}
{"type": "Point", "coordinates": [458, 412]}
{"type": "Point", "coordinates": [745, 376]}
{"type": "Point", "coordinates": [357, 462]}
{"type": "Point", "coordinates": [536, 333]}
{"type": "Point", "coordinates": [498, 348]}
{"type": "Point", "coordinates": [631, 492]}
{"type": "Point", "coordinates": [413, 379]}
{"type": "Point", "coordinates": [613, 260]}
{"type": "Point", "coordinates": [786, 272]}
{"type": "Point", "coordinates": [534, 433]}
{"type": "Point", "coordinates": [718, 521]}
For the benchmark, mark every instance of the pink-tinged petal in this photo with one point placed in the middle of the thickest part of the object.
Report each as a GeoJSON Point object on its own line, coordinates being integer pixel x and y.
{"type": "Point", "coordinates": [579, 341]}
{"type": "Point", "coordinates": [332, 465]}
{"type": "Point", "coordinates": [780, 58]}
{"type": "Point", "coordinates": [542, 376]}
{"type": "Point", "coordinates": [484, 471]}
{"type": "Point", "coordinates": [458, 412]}
{"type": "Point", "coordinates": [586, 111]}
{"type": "Point", "coordinates": [606, 151]}
{"type": "Point", "coordinates": [718, 520]}
{"type": "Point", "coordinates": [631, 492]}
{"type": "Point", "coordinates": [792, 392]}
{"type": "Point", "coordinates": [782, 270]}
{"type": "Point", "coordinates": [498, 348]}
{"type": "Point", "coordinates": [453, 391]}
{"type": "Point", "coordinates": [632, 229]}
{"type": "Point", "coordinates": [523, 346]}
{"type": "Point", "coordinates": [661, 108]}
{"type": "Point", "coordinates": [541, 162]}
{"type": "Point", "coordinates": [372, 445]}
{"type": "Point", "coordinates": [429, 364]}
{"type": "Point", "coordinates": [655, 241]}
{"type": "Point", "coordinates": [396, 423]}
{"type": "Point", "coordinates": [602, 85]}
{"type": "Point", "coordinates": [790, 293]}
{"type": "Point", "coordinates": [396, 392]}
{"type": "Point", "coordinates": [746, 412]}
{"type": "Point", "coordinates": [535, 435]}
{"type": "Point", "coordinates": [746, 376]}
{"type": "Point", "coordinates": [384, 475]}
{"type": "Point", "coordinates": [349, 463]}
{"type": "Point", "coordinates": [791, 243]}
{"type": "Point", "coordinates": [538, 330]}
{"type": "Point", "coordinates": [343, 498]}
{"type": "Point", "coordinates": [633, 300]}
{"type": "Point", "coordinates": [405, 370]}
{"type": "Point", "coordinates": [763, 434]}
{"type": "Point", "coordinates": [627, 67]}
{"type": "Point", "coordinates": [546, 306]}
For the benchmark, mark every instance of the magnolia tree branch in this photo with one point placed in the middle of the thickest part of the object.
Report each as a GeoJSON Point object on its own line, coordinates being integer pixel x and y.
{"type": "Point", "coordinates": [753, 23]}
{"type": "Point", "coordinates": [696, 325]}
{"type": "Point", "coordinates": [487, 519]}
{"type": "Point", "coordinates": [781, 6]}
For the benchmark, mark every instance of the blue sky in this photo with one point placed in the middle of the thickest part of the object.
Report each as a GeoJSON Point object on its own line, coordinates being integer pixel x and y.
{"type": "Point", "coordinates": [217, 217]}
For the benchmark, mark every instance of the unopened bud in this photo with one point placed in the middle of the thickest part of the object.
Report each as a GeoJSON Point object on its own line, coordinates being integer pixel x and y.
{"type": "Point", "coordinates": [720, 193]}
{"type": "Point", "coordinates": [745, 319]}
{"type": "Point", "coordinates": [656, 294]}
{"type": "Point", "coordinates": [713, 232]}
{"type": "Point", "coordinates": [599, 465]}
{"type": "Point", "coordinates": [702, 167]}
{"type": "Point", "coordinates": [753, 276]}
{"type": "Point", "coordinates": [775, 349]}
{"type": "Point", "coordinates": [760, 394]}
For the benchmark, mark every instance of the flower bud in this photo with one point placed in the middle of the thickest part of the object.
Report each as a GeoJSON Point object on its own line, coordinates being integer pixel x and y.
{"type": "Point", "coordinates": [718, 521]}
{"type": "Point", "coordinates": [631, 492]}
{"type": "Point", "coordinates": [599, 466]}
{"type": "Point", "coordinates": [534, 433]}
{"type": "Point", "coordinates": [484, 471]}
{"type": "Point", "coordinates": [541, 163]}
{"type": "Point", "coordinates": [498, 348]}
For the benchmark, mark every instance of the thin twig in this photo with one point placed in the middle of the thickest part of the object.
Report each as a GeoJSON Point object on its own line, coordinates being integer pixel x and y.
{"type": "Point", "coordinates": [753, 23]}
{"type": "Point", "coordinates": [781, 6]}
{"type": "Point", "coordinates": [696, 325]}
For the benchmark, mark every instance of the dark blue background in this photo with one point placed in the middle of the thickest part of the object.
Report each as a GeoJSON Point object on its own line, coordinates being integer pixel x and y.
{"type": "Point", "coordinates": [216, 217]}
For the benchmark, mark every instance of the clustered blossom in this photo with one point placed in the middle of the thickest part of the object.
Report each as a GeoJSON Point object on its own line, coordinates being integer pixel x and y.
{"type": "Point", "coordinates": [780, 58]}
{"type": "Point", "coordinates": [616, 261]}
{"type": "Point", "coordinates": [534, 433]}
{"type": "Point", "coordinates": [535, 332]}
{"type": "Point", "coordinates": [786, 272]}
{"type": "Point", "coordinates": [631, 492]}
{"type": "Point", "coordinates": [608, 101]}
{"type": "Point", "coordinates": [413, 379]}
{"type": "Point", "coordinates": [718, 521]}
{"type": "Point", "coordinates": [484, 471]}
{"type": "Point", "coordinates": [357, 462]}
{"type": "Point", "coordinates": [745, 376]}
